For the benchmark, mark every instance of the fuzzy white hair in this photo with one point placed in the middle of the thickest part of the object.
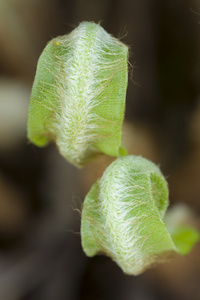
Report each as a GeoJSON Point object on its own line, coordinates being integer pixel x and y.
{"type": "Point", "coordinates": [88, 68]}
{"type": "Point", "coordinates": [125, 219]}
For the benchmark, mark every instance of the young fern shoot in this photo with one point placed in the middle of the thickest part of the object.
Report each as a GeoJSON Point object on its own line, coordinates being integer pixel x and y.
{"type": "Point", "coordinates": [78, 96]}
{"type": "Point", "coordinates": [78, 102]}
{"type": "Point", "coordinates": [123, 217]}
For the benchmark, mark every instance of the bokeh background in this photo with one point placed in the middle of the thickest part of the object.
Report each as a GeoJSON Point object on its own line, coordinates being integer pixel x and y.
{"type": "Point", "coordinates": [41, 194]}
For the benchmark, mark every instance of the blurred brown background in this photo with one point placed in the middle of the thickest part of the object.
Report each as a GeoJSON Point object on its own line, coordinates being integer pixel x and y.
{"type": "Point", "coordinates": [40, 193]}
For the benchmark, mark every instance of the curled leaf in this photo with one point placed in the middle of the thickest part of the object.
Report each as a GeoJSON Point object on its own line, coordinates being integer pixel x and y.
{"type": "Point", "coordinates": [123, 217]}
{"type": "Point", "coordinates": [78, 95]}
{"type": "Point", "coordinates": [123, 214]}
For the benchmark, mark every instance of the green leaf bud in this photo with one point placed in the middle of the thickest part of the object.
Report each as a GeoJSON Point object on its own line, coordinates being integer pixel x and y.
{"type": "Point", "coordinates": [123, 213]}
{"type": "Point", "coordinates": [78, 95]}
{"type": "Point", "coordinates": [185, 237]}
